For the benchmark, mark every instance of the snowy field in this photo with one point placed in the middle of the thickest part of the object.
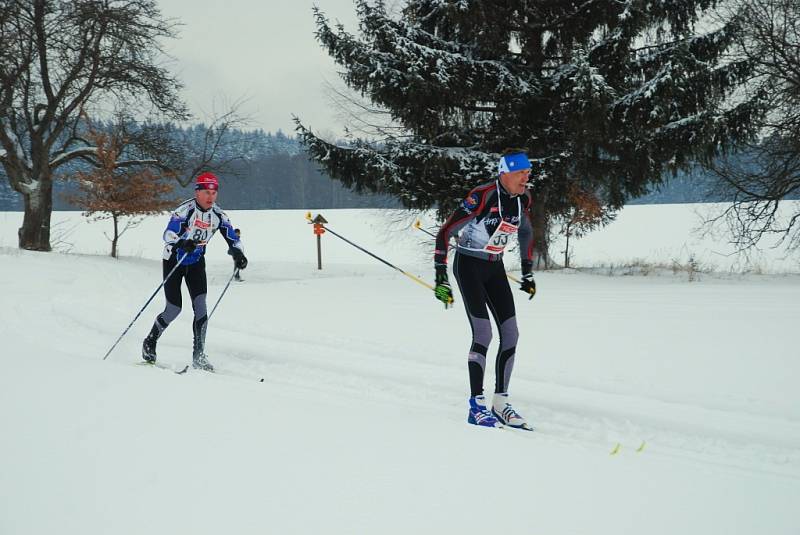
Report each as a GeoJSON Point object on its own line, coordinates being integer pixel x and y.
{"type": "Point", "coordinates": [360, 423]}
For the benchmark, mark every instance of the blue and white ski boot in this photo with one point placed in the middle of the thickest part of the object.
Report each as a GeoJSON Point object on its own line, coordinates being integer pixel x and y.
{"type": "Point", "coordinates": [506, 415]}
{"type": "Point", "coordinates": [479, 414]}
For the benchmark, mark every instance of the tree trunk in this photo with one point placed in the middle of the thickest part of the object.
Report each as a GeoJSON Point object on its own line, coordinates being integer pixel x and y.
{"type": "Point", "coordinates": [34, 234]}
{"type": "Point", "coordinates": [566, 250]}
{"type": "Point", "coordinates": [541, 255]}
{"type": "Point", "coordinates": [116, 236]}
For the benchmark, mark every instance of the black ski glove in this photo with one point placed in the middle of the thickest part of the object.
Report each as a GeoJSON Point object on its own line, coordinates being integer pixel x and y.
{"type": "Point", "coordinates": [443, 291]}
{"type": "Point", "coordinates": [528, 285]}
{"type": "Point", "coordinates": [239, 260]}
{"type": "Point", "coordinates": [187, 246]}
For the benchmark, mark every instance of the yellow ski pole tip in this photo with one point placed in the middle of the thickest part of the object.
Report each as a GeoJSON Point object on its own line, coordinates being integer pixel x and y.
{"type": "Point", "coordinates": [416, 223]}
{"type": "Point", "coordinates": [616, 449]}
{"type": "Point", "coordinates": [308, 216]}
{"type": "Point", "coordinates": [640, 449]}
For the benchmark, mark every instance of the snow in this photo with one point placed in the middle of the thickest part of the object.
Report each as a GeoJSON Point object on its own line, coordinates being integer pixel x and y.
{"type": "Point", "coordinates": [19, 152]}
{"type": "Point", "coordinates": [359, 425]}
{"type": "Point", "coordinates": [65, 156]}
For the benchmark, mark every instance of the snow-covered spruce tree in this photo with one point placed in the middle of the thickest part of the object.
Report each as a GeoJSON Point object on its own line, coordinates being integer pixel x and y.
{"type": "Point", "coordinates": [608, 94]}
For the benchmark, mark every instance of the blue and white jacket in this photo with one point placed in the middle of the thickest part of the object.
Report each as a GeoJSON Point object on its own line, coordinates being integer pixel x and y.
{"type": "Point", "coordinates": [189, 221]}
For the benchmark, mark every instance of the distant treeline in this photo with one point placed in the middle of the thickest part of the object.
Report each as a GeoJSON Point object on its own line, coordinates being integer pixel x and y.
{"type": "Point", "coordinates": [273, 172]}
{"type": "Point", "coordinates": [270, 171]}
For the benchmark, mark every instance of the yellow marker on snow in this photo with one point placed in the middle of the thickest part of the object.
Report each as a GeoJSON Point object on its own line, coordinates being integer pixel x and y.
{"type": "Point", "coordinates": [616, 449]}
{"type": "Point", "coordinates": [640, 449]}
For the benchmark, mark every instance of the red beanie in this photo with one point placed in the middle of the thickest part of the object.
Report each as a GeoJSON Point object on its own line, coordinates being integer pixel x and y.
{"type": "Point", "coordinates": [207, 181]}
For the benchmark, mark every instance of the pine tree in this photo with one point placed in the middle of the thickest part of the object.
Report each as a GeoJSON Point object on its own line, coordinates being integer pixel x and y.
{"type": "Point", "coordinates": [607, 94]}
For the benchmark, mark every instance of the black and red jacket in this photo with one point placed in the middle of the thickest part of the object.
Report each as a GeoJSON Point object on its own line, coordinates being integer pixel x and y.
{"type": "Point", "coordinates": [477, 219]}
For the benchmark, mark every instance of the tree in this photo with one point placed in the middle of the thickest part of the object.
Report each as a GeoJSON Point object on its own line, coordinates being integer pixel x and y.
{"type": "Point", "coordinates": [605, 94]}
{"type": "Point", "coordinates": [585, 213]}
{"type": "Point", "coordinates": [766, 171]}
{"type": "Point", "coordinates": [108, 191]}
{"type": "Point", "coordinates": [58, 58]}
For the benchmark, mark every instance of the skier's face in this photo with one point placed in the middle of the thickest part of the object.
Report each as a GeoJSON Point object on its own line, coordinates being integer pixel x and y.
{"type": "Point", "coordinates": [205, 198]}
{"type": "Point", "coordinates": [515, 181]}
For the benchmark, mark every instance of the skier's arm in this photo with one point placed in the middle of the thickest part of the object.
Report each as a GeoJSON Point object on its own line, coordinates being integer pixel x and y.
{"type": "Point", "coordinates": [228, 232]}
{"type": "Point", "coordinates": [234, 243]}
{"type": "Point", "coordinates": [177, 225]}
{"type": "Point", "coordinates": [467, 210]}
{"type": "Point", "coordinates": [525, 235]}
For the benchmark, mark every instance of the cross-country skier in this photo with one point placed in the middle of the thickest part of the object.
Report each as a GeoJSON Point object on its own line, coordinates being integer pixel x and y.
{"type": "Point", "coordinates": [190, 227]}
{"type": "Point", "coordinates": [486, 219]}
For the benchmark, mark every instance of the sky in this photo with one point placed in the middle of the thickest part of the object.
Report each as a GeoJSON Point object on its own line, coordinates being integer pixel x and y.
{"type": "Point", "coordinates": [261, 51]}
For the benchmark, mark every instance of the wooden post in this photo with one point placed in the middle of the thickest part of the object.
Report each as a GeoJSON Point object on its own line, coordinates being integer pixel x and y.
{"type": "Point", "coordinates": [319, 230]}
{"type": "Point", "coordinates": [319, 250]}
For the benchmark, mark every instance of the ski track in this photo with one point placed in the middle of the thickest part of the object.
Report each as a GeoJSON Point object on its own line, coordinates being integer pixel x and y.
{"type": "Point", "coordinates": [597, 422]}
{"type": "Point", "coordinates": [350, 365]}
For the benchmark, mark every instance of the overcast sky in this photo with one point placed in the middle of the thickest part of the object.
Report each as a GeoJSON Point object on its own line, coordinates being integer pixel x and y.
{"type": "Point", "coordinates": [263, 50]}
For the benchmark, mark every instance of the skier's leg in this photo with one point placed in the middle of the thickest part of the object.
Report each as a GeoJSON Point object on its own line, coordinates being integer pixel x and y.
{"type": "Point", "coordinates": [501, 304]}
{"type": "Point", "coordinates": [172, 292]}
{"type": "Point", "coordinates": [470, 282]}
{"type": "Point", "coordinates": [198, 288]}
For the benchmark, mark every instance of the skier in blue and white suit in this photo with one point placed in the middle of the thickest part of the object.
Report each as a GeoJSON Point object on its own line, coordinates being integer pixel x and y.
{"type": "Point", "coordinates": [190, 227]}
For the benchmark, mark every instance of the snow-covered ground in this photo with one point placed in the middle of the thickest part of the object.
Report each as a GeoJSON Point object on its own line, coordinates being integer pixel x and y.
{"type": "Point", "coordinates": [359, 424]}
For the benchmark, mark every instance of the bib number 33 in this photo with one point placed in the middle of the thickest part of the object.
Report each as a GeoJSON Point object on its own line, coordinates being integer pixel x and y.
{"type": "Point", "coordinates": [498, 241]}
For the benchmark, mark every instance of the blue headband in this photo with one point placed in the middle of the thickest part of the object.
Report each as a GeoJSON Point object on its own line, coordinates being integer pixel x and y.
{"type": "Point", "coordinates": [513, 162]}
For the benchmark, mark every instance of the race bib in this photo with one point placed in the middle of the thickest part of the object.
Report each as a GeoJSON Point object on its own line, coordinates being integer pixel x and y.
{"type": "Point", "coordinates": [200, 231]}
{"type": "Point", "coordinates": [497, 243]}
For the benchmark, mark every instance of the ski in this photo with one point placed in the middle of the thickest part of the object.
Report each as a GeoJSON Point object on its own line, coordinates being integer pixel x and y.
{"type": "Point", "coordinates": [524, 427]}
{"type": "Point", "coordinates": [185, 370]}
{"type": "Point", "coordinates": [164, 367]}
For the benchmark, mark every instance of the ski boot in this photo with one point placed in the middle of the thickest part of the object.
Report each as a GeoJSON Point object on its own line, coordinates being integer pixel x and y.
{"type": "Point", "coordinates": [200, 362]}
{"type": "Point", "coordinates": [479, 414]}
{"type": "Point", "coordinates": [505, 413]}
{"type": "Point", "coordinates": [149, 346]}
{"type": "Point", "coordinates": [199, 358]}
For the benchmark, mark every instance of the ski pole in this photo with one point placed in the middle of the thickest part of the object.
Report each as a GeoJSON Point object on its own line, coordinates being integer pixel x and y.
{"type": "Point", "coordinates": [235, 271]}
{"type": "Point", "coordinates": [432, 235]}
{"type": "Point", "coordinates": [177, 265]}
{"type": "Point", "coordinates": [376, 257]}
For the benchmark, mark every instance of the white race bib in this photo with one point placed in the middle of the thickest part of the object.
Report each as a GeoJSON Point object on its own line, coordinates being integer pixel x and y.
{"type": "Point", "coordinates": [200, 230]}
{"type": "Point", "coordinates": [497, 243]}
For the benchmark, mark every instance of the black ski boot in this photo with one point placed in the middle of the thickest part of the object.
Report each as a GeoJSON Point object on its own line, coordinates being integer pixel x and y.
{"type": "Point", "coordinates": [200, 362]}
{"type": "Point", "coordinates": [149, 345]}
{"type": "Point", "coordinates": [199, 358]}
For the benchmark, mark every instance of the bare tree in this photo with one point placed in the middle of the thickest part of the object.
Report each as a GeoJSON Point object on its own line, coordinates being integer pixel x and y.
{"type": "Point", "coordinates": [212, 150]}
{"type": "Point", "coordinates": [586, 213]}
{"type": "Point", "coordinates": [111, 192]}
{"type": "Point", "coordinates": [184, 151]}
{"type": "Point", "coordinates": [766, 171]}
{"type": "Point", "coordinates": [56, 58]}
